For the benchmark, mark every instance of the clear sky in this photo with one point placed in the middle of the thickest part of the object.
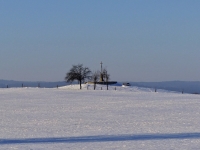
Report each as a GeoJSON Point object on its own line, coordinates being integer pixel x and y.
{"type": "Point", "coordinates": [137, 40]}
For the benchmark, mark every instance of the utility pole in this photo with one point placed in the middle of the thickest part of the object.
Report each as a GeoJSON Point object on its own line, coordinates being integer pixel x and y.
{"type": "Point", "coordinates": [101, 74]}
{"type": "Point", "coordinates": [101, 66]}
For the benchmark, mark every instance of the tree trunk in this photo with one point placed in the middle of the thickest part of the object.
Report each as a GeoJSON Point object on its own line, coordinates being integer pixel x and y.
{"type": "Point", "coordinates": [107, 85]}
{"type": "Point", "coordinates": [80, 84]}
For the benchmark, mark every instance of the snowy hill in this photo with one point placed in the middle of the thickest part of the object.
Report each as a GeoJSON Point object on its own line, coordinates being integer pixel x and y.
{"type": "Point", "coordinates": [178, 86]}
{"type": "Point", "coordinates": [117, 87]}
{"type": "Point", "coordinates": [125, 118]}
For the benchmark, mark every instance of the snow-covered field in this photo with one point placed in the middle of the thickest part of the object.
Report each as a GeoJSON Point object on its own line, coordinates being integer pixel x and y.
{"type": "Point", "coordinates": [125, 118]}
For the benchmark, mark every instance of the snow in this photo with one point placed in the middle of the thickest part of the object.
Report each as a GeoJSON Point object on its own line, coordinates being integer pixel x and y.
{"type": "Point", "coordinates": [125, 118]}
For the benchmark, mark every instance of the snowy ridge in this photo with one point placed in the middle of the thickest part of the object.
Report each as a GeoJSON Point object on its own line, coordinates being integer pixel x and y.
{"type": "Point", "coordinates": [116, 87]}
{"type": "Point", "coordinates": [179, 86]}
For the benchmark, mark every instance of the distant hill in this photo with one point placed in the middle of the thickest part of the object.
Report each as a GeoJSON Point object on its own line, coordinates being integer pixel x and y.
{"type": "Point", "coordinates": [12, 83]}
{"type": "Point", "coordinates": [179, 86]}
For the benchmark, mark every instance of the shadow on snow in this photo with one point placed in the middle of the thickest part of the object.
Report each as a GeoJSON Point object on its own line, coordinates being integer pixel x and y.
{"type": "Point", "coordinates": [102, 138]}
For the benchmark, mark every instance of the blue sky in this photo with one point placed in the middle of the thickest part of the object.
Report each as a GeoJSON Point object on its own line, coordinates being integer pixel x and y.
{"type": "Point", "coordinates": [137, 40]}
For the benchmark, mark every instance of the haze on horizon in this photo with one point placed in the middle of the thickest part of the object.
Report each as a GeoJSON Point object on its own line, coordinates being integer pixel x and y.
{"type": "Point", "coordinates": [138, 40]}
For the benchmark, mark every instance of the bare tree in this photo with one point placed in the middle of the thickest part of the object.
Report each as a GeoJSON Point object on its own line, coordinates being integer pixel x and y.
{"type": "Point", "coordinates": [79, 73]}
{"type": "Point", "coordinates": [106, 76]}
{"type": "Point", "coordinates": [95, 78]}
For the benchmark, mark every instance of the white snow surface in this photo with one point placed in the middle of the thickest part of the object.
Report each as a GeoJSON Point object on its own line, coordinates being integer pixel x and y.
{"type": "Point", "coordinates": [125, 118]}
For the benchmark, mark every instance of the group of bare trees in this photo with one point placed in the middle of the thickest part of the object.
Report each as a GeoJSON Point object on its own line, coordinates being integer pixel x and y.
{"type": "Point", "coordinates": [104, 76]}
{"type": "Point", "coordinates": [81, 74]}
